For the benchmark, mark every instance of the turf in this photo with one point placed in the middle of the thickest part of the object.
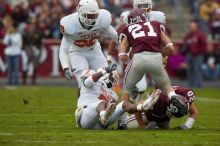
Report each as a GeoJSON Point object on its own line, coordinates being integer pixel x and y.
{"type": "Point", "coordinates": [44, 116]}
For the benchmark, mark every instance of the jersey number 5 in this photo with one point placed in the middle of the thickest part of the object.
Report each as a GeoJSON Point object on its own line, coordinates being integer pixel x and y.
{"type": "Point", "coordinates": [136, 33]}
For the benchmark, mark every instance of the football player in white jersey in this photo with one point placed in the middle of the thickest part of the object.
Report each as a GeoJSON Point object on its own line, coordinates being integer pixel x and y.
{"type": "Point", "coordinates": [96, 107]}
{"type": "Point", "coordinates": [80, 48]}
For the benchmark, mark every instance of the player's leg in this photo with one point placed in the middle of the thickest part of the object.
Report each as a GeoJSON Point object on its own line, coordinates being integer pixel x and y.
{"type": "Point", "coordinates": [132, 122]}
{"type": "Point", "coordinates": [96, 58]}
{"type": "Point", "coordinates": [121, 108]}
{"type": "Point", "coordinates": [90, 115]}
{"type": "Point", "coordinates": [106, 114]}
{"type": "Point", "coordinates": [159, 74]}
{"type": "Point", "coordinates": [122, 121]}
{"type": "Point", "coordinates": [140, 88]}
{"type": "Point", "coordinates": [133, 74]}
{"type": "Point", "coordinates": [142, 84]}
{"type": "Point", "coordinates": [78, 62]}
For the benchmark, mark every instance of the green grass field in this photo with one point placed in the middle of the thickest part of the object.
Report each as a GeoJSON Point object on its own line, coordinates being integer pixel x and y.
{"type": "Point", "coordinates": [44, 116]}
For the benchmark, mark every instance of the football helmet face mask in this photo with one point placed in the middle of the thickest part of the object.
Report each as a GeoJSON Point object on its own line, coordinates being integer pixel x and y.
{"type": "Point", "coordinates": [110, 80]}
{"type": "Point", "coordinates": [178, 107]}
{"type": "Point", "coordinates": [145, 5]}
{"type": "Point", "coordinates": [136, 15]}
{"type": "Point", "coordinates": [88, 11]}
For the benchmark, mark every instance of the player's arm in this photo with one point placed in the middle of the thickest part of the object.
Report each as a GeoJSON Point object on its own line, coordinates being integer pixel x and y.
{"type": "Point", "coordinates": [92, 79]}
{"type": "Point", "coordinates": [63, 57]}
{"type": "Point", "coordinates": [140, 120]}
{"type": "Point", "coordinates": [111, 49]}
{"type": "Point", "coordinates": [111, 32]}
{"type": "Point", "coordinates": [193, 112]}
{"type": "Point", "coordinates": [168, 47]}
{"type": "Point", "coordinates": [123, 49]}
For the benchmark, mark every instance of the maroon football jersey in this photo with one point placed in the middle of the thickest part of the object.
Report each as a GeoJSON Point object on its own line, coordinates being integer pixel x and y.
{"type": "Point", "coordinates": [144, 36]}
{"type": "Point", "coordinates": [159, 111]}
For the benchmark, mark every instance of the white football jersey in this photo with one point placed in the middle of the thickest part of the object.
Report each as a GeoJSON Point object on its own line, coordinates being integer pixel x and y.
{"type": "Point", "coordinates": [95, 93]}
{"type": "Point", "coordinates": [156, 16]}
{"type": "Point", "coordinates": [83, 38]}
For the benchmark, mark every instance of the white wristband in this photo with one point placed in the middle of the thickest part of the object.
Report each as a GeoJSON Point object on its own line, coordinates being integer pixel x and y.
{"type": "Point", "coordinates": [168, 45]}
{"type": "Point", "coordinates": [109, 57]}
{"type": "Point", "coordinates": [120, 54]}
{"type": "Point", "coordinates": [189, 122]}
{"type": "Point", "coordinates": [103, 72]}
{"type": "Point", "coordinates": [139, 107]}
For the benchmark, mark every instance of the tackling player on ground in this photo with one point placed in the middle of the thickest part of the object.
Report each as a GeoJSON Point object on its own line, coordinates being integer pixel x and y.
{"type": "Point", "coordinates": [159, 116]}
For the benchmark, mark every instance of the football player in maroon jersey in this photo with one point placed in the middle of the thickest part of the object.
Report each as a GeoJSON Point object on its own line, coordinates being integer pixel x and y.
{"type": "Point", "coordinates": [164, 109]}
{"type": "Point", "coordinates": [146, 39]}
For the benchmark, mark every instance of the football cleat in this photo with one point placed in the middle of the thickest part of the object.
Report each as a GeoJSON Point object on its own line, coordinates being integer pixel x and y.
{"type": "Point", "coordinates": [122, 127]}
{"type": "Point", "coordinates": [108, 112]}
{"type": "Point", "coordinates": [151, 100]}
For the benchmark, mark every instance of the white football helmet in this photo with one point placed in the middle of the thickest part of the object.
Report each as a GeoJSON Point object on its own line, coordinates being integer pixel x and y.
{"type": "Point", "coordinates": [88, 11]}
{"type": "Point", "coordinates": [110, 80]}
{"type": "Point", "coordinates": [124, 17]}
{"type": "Point", "coordinates": [146, 5]}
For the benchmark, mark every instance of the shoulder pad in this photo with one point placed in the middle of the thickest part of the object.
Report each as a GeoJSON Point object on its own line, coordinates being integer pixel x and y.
{"type": "Point", "coordinates": [105, 18]}
{"type": "Point", "coordinates": [158, 16]}
{"type": "Point", "coordinates": [67, 24]}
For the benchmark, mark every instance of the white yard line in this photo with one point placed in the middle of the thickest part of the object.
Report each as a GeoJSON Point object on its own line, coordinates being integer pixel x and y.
{"type": "Point", "coordinates": [90, 141]}
{"type": "Point", "coordinates": [208, 99]}
{"type": "Point", "coordinates": [31, 114]}
{"type": "Point", "coordinates": [46, 141]}
{"type": "Point", "coordinates": [6, 134]}
{"type": "Point", "coordinates": [39, 107]}
{"type": "Point", "coordinates": [40, 126]}
{"type": "Point", "coordinates": [89, 133]}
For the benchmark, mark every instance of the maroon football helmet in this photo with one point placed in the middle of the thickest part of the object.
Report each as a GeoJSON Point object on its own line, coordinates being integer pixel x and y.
{"type": "Point", "coordinates": [136, 15]}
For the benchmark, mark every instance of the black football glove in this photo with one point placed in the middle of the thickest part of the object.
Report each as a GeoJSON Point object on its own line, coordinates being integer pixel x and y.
{"type": "Point", "coordinates": [110, 68]}
{"type": "Point", "coordinates": [68, 73]}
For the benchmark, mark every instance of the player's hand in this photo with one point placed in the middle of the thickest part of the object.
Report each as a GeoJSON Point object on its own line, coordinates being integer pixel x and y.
{"type": "Point", "coordinates": [165, 61]}
{"type": "Point", "coordinates": [110, 68]}
{"type": "Point", "coordinates": [109, 59]}
{"type": "Point", "coordinates": [182, 127]}
{"type": "Point", "coordinates": [68, 73]}
{"type": "Point", "coordinates": [123, 57]}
